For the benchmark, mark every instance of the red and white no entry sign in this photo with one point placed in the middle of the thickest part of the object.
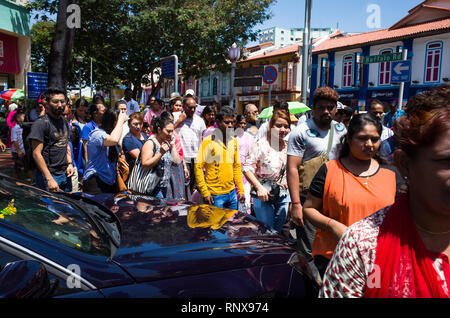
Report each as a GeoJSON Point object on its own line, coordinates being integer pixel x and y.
{"type": "Point", "coordinates": [270, 75]}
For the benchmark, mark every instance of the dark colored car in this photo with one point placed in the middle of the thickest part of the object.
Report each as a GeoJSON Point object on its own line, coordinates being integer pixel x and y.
{"type": "Point", "coordinates": [76, 245]}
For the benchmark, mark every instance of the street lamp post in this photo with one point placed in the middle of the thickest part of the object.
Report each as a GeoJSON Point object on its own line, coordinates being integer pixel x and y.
{"type": "Point", "coordinates": [234, 52]}
{"type": "Point", "coordinates": [79, 60]}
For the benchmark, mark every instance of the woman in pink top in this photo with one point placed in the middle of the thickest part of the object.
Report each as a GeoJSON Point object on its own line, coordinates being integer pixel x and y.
{"type": "Point", "coordinates": [156, 109]}
{"type": "Point", "coordinates": [245, 140]}
{"type": "Point", "coordinates": [10, 122]}
{"type": "Point", "coordinates": [179, 173]}
{"type": "Point", "coordinates": [209, 117]}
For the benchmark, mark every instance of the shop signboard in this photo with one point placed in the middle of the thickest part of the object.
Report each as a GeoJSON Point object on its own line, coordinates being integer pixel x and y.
{"type": "Point", "coordinates": [382, 58]}
{"type": "Point", "coordinates": [247, 81]}
{"type": "Point", "coordinates": [383, 94]}
{"type": "Point", "coordinates": [248, 98]}
{"type": "Point", "coordinates": [168, 69]}
{"type": "Point", "coordinates": [348, 95]}
{"type": "Point", "coordinates": [36, 84]}
{"type": "Point", "coordinates": [249, 71]}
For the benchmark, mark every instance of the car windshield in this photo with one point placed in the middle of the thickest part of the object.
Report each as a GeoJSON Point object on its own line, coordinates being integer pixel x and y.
{"type": "Point", "coordinates": [51, 217]}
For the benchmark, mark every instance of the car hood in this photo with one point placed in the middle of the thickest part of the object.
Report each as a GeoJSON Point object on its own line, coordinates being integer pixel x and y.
{"type": "Point", "coordinates": [161, 239]}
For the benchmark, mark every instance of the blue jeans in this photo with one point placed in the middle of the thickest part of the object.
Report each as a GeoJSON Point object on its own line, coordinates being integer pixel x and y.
{"type": "Point", "coordinates": [226, 201]}
{"type": "Point", "coordinates": [62, 181]}
{"type": "Point", "coordinates": [159, 193]}
{"type": "Point", "coordinates": [272, 213]}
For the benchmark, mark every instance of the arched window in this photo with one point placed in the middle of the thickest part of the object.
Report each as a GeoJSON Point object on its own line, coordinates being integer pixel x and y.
{"type": "Point", "coordinates": [384, 74]}
{"type": "Point", "coordinates": [347, 72]}
{"type": "Point", "coordinates": [433, 62]}
{"type": "Point", "coordinates": [205, 87]}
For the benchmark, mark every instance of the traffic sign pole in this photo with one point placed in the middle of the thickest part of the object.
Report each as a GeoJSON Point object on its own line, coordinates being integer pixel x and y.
{"type": "Point", "coordinates": [270, 75]}
{"type": "Point", "coordinates": [270, 94]}
{"type": "Point", "coordinates": [402, 84]}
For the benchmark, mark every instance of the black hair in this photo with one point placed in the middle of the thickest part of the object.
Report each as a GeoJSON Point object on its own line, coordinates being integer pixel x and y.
{"type": "Point", "coordinates": [208, 109]}
{"type": "Point", "coordinates": [92, 109]}
{"type": "Point", "coordinates": [376, 102]}
{"type": "Point", "coordinates": [117, 103]}
{"type": "Point", "coordinates": [109, 121]}
{"type": "Point", "coordinates": [281, 105]}
{"type": "Point", "coordinates": [17, 114]}
{"type": "Point", "coordinates": [81, 102]}
{"type": "Point", "coordinates": [175, 99]}
{"type": "Point", "coordinates": [166, 114]}
{"type": "Point", "coordinates": [225, 111]}
{"type": "Point", "coordinates": [160, 122]}
{"type": "Point", "coordinates": [355, 125]}
{"type": "Point", "coordinates": [239, 118]}
{"type": "Point", "coordinates": [98, 97]}
{"type": "Point", "coordinates": [54, 91]}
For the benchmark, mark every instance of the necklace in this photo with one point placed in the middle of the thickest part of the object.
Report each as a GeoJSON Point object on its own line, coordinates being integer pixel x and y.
{"type": "Point", "coordinates": [366, 183]}
{"type": "Point", "coordinates": [429, 232]}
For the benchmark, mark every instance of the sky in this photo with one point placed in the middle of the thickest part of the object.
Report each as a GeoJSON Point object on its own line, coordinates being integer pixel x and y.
{"type": "Point", "coordinates": [346, 15]}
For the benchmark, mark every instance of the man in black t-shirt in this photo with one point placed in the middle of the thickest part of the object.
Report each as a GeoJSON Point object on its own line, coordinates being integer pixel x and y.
{"type": "Point", "coordinates": [50, 145]}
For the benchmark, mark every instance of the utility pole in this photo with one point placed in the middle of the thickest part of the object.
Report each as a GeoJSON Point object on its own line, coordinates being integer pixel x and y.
{"type": "Point", "coordinates": [306, 45]}
{"type": "Point", "coordinates": [402, 84]}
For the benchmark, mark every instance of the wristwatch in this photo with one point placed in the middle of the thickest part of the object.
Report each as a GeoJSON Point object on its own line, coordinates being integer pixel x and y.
{"type": "Point", "coordinates": [70, 163]}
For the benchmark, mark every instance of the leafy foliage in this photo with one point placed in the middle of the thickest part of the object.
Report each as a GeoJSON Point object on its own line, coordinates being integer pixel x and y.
{"type": "Point", "coordinates": [126, 38]}
{"type": "Point", "coordinates": [42, 33]}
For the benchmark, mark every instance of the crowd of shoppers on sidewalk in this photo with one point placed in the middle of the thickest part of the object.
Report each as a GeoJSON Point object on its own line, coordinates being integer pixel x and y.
{"type": "Point", "coordinates": [366, 193]}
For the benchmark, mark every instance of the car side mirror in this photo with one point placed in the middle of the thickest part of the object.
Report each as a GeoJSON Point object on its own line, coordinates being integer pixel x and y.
{"type": "Point", "coordinates": [25, 279]}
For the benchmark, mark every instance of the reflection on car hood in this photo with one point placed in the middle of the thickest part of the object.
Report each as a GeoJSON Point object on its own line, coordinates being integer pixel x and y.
{"type": "Point", "coordinates": [161, 240]}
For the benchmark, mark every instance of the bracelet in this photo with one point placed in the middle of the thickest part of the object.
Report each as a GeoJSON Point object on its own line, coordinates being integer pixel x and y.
{"type": "Point", "coordinates": [328, 223]}
{"type": "Point", "coordinates": [70, 163]}
{"type": "Point", "coordinates": [296, 203]}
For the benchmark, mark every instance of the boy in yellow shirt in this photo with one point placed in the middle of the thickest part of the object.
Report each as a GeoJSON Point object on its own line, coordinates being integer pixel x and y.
{"type": "Point", "coordinates": [219, 155]}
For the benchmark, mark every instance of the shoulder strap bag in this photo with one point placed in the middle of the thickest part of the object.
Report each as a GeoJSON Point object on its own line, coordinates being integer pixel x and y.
{"type": "Point", "coordinates": [143, 181]}
{"type": "Point", "coordinates": [308, 169]}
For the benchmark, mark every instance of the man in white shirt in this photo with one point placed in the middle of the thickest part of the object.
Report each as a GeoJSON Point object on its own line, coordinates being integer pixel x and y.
{"type": "Point", "coordinates": [132, 105]}
{"type": "Point", "coordinates": [308, 141]}
{"type": "Point", "coordinates": [376, 108]}
{"type": "Point", "coordinates": [198, 108]}
{"type": "Point", "coordinates": [190, 127]}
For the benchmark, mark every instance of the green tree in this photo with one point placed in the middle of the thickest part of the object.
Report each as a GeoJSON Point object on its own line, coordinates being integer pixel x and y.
{"type": "Point", "coordinates": [41, 38]}
{"type": "Point", "coordinates": [126, 38]}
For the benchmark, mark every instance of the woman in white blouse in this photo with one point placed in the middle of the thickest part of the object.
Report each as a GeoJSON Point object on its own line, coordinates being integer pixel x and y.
{"type": "Point", "coordinates": [265, 169]}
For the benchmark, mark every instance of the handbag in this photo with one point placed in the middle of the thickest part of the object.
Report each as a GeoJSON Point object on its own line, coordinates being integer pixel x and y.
{"type": "Point", "coordinates": [144, 181]}
{"type": "Point", "coordinates": [272, 186]}
{"type": "Point", "coordinates": [308, 169]}
{"type": "Point", "coordinates": [123, 171]}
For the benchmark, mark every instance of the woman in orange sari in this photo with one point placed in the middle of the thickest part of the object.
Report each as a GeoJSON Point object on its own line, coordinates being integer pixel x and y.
{"type": "Point", "coordinates": [348, 189]}
{"type": "Point", "coordinates": [403, 251]}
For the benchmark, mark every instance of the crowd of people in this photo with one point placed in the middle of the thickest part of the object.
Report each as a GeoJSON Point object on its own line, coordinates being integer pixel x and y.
{"type": "Point", "coordinates": [367, 193]}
